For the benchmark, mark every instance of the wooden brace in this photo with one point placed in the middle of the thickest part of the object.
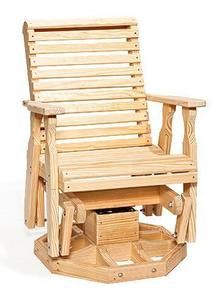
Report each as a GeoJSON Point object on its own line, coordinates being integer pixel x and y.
{"type": "Point", "coordinates": [66, 228]}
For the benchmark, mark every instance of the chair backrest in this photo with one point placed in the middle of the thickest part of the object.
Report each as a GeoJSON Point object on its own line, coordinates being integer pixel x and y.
{"type": "Point", "coordinates": [93, 68]}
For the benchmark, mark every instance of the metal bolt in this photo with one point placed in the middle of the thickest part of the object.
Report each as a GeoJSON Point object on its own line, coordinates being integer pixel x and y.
{"type": "Point", "coordinates": [120, 275]}
{"type": "Point", "coordinates": [154, 270]}
{"type": "Point", "coordinates": [174, 235]}
{"type": "Point", "coordinates": [170, 204]}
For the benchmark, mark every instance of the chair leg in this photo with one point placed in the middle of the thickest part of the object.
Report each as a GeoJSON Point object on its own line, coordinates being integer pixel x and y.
{"type": "Point", "coordinates": [40, 215]}
{"type": "Point", "coordinates": [52, 189]}
{"type": "Point", "coordinates": [32, 173]}
{"type": "Point", "coordinates": [183, 219]}
{"type": "Point", "coordinates": [191, 190]}
{"type": "Point", "coordinates": [66, 229]}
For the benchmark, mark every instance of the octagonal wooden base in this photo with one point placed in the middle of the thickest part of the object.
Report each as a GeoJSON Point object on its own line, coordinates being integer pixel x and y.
{"type": "Point", "coordinates": [155, 254]}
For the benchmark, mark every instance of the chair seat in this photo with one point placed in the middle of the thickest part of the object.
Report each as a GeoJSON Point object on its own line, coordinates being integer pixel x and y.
{"type": "Point", "coordinates": [121, 168]}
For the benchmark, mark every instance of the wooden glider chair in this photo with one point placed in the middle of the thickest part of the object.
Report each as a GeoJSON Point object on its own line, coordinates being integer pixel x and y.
{"type": "Point", "coordinates": [90, 153]}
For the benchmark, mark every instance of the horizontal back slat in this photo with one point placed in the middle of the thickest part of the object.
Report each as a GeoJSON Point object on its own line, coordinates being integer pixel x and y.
{"type": "Point", "coordinates": [88, 47]}
{"type": "Point", "coordinates": [83, 60]}
{"type": "Point", "coordinates": [108, 118]}
{"type": "Point", "coordinates": [82, 95]}
{"type": "Point", "coordinates": [61, 72]}
{"type": "Point", "coordinates": [122, 143]}
{"type": "Point", "coordinates": [85, 84]}
{"type": "Point", "coordinates": [99, 132]}
{"type": "Point", "coordinates": [87, 107]}
{"type": "Point", "coordinates": [79, 23]}
{"type": "Point", "coordinates": [82, 35]}
{"type": "Point", "coordinates": [93, 70]}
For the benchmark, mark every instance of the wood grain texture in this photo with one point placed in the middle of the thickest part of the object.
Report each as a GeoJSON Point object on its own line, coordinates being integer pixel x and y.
{"type": "Point", "coordinates": [66, 228]}
{"type": "Point", "coordinates": [105, 144]}
{"type": "Point", "coordinates": [81, 34]}
{"type": "Point", "coordinates": [76, 48]}
{"type": "Point", "coordinates": [82, 60]}
{"type": "Point", "coordinates": [112, 228]}
{"type": "Point", "coordinates": [52, 191]}
{"type": "Point", "coordinates": [189, 141]}
{"type": "Point", "coordinates": [32, 172]}
{"type": "Point", "coordinates": [101, 263]}
{"type": "Point", "coordinates": [171, 200]}
{"type": "Point", "coordinates": [51, 85]}
{"type": "Point", "coordinates": [40, 214]}
{"type": "Point", "coordinates": [70, 72]}
{"type": "Point", "coordinates": [79, 206]}
{"type": "Point", "coordinates": [100, 132]}
{"type": "Point", "coordinates": [190, 149]}
{"type": "Point", "coordinates": [176, 100]}
{"type": "Point", "coordinates": [106, 118]}
{"type": "Point", "coordinates": [77, 23]}
{"type": "Point", "coordinates": [103, 94]}
{"type": "Point", "coordinates": [165, 136]}
{"type": "Point", "coordinates": [76, 185]}
{"type": "Point", "coordinates": [191, 190]}
{"type": "Point", "coordinates": [183, 219]}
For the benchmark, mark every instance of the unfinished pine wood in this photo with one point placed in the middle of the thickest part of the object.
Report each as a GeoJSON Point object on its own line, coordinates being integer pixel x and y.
{"type": "Point", "coordinates": [189, 141]}
{"type": "Point", "coordinates": [66, 72]}
{"type": "Point", "coordinates": [191, 190]}
{"type": "Point", "coordinates": [79, 23]}
{"type": "Point", "coordinates": [112, 228]}
{"type": "Point", "coordinates": [76, 48]}
{"type": "Point", "coordinates": [183, 219]}
{"type": "Point", "coordinates": [40, 214]}
{"type": "Point", "coordinates": [165, 137]}
{"type": "Point", "coordinates": [102, 263]}
{"type": "Point", "coordinates": [102, 119]}
{"type": "Point", "coordinates": [98, 132]}
{"type": "Point", "coordinates": [52, 191]}
{"type": "Point", "coordinates": [190, 149]}
{"type": "Point", "coordinates": [171, 200]}
{"type": "Point", "coordinates": [118, 143]}
{"type": "Point", "coordinates": [82, 60]}
{"type": "Point", "coordinates": [176, 100]}
{"type": "Point", "coordinates": [76, 185]}
{"type": "Point", "coordinates": [85, 84]}
{"type": "Point", "coordinates": [79, 206]}
{"type": "Point", "coordinates": [103, 94]}
{"type": "Point", "coordinates": [118, 198]}
{"type": "Point", "coordinates": [54, 78]}
{"type": "Point", "coordinates": [146, 209]}
{"type": "Point", "coordinates": [46, 109]}
{"type": "Point", "coordinates": [32, 172]}
{"type": "Point", "coordinates": [82, 34]}
{"type": "Point", "coordinates": [163, 164]}
{"type": "Point", "coordinates": [66, 228]}
{"type": "Point", "coordinates": [94, 151]}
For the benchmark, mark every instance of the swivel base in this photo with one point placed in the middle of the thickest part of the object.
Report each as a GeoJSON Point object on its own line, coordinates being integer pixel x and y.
{"type": "Point", "coordinates": [154, 254]}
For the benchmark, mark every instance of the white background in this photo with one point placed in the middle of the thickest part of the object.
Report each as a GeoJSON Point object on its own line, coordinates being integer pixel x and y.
{"type": "Point", "coordinates": [176, 57]}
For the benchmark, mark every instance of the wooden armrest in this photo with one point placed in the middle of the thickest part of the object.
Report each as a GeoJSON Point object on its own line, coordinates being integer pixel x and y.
{"type": "Point", "coordinates": [43, 108]}
{"type": "Point", "coordinates": [176, 100]}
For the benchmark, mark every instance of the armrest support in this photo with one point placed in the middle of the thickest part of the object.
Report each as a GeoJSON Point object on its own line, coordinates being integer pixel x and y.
{"type": "Point", "coordinates": [176, 100]}
{"type": "Point", "coordinates": [165, 135]}
{"type": "Point", "coordinates": [44, 108]}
